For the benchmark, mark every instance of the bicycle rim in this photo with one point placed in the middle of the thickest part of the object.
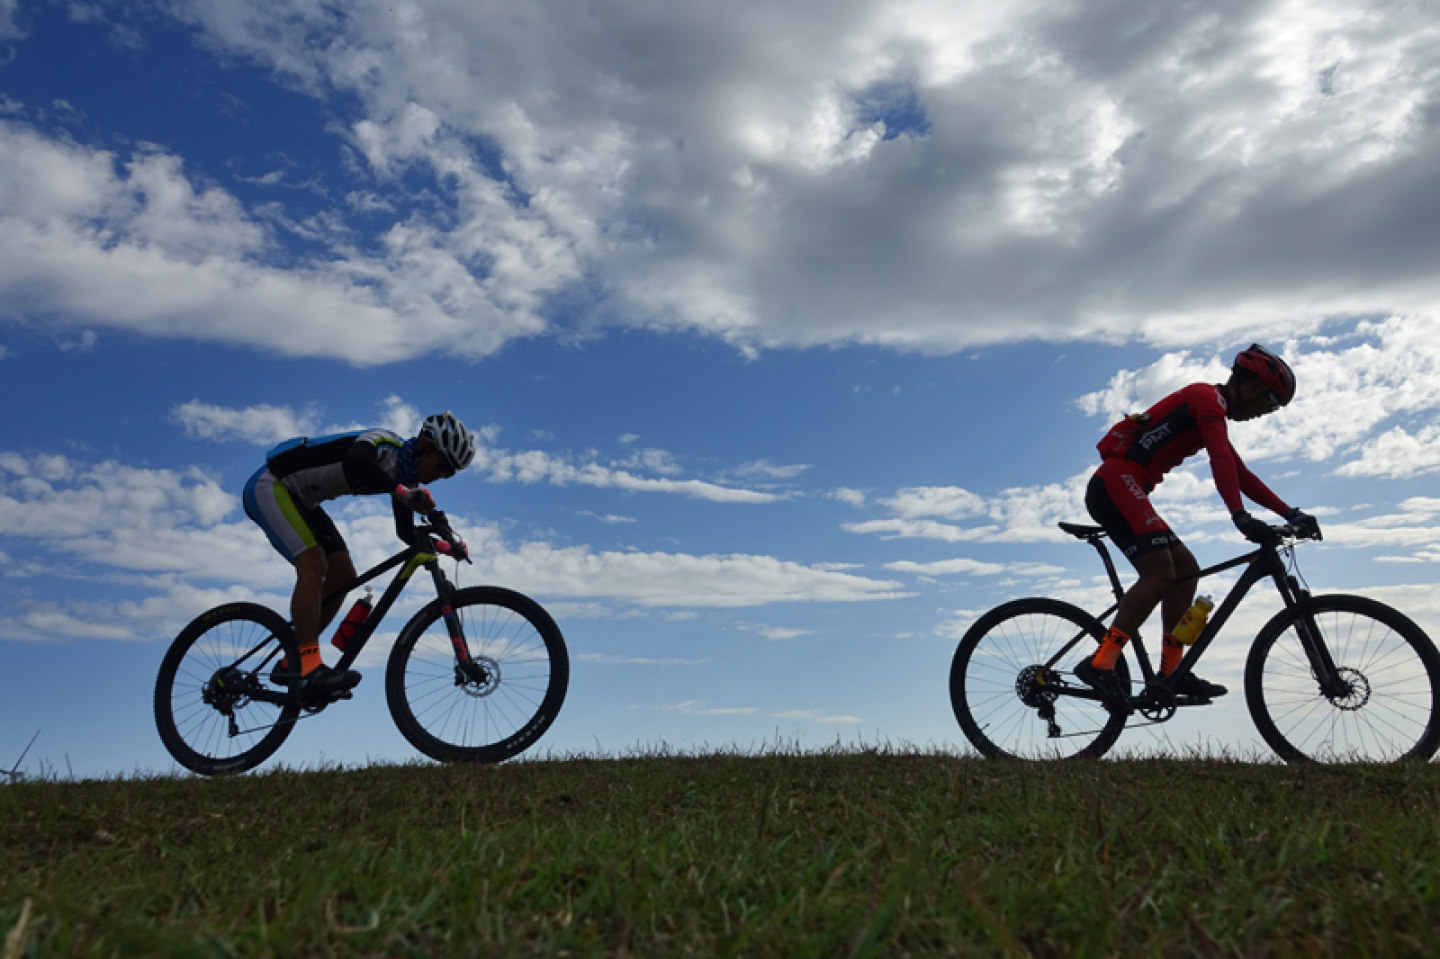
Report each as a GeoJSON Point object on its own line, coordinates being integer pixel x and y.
{"type": "Point", "coordinates": [991, 676]}
{"type": "Point", "coordinates": [1387, 710]}
{"type": "Point", "coordinates": [491, 713]}
{"type": "Point", "coordinates": [203, 712]}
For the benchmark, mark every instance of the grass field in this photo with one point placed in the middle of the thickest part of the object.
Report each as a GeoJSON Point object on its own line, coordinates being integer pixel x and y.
{"type": "Point", "coordinates": [870, 853]}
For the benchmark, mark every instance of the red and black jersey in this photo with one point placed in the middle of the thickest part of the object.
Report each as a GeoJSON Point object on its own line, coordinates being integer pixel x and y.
{"type": "Point", "coordinates": [1176, 428]}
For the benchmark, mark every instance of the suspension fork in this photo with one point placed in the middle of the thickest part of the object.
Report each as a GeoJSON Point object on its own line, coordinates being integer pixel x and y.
{"type": "Point", "coordinates": [1317, 651]}
{"type": "Point", "coordinates": [446, 591]}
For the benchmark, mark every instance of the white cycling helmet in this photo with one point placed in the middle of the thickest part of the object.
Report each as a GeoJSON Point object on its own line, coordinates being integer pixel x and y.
{"type": "Point", "coordinates": [450, 437]}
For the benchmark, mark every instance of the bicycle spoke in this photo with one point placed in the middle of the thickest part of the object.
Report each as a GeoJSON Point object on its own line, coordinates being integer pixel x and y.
{"type": "Point", "coordinates": [1388, 669]}
{"type": "Point", "coordinates": [204, 709]}
{"type": "Point", "coordinates": [996, 694]}
{"type": "Point", "coordinates": [484, 709]}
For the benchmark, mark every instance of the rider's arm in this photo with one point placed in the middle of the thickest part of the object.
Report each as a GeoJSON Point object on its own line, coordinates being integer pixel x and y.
{"type": "Point", "coordinates": [1232, 476]}
{"type": "Point", "coordinates": [363, 470]}
{"type": "Point", "coordinates": [404, 521]}
{"type": "Point", "coordinates": [1224, 461]}
{"type": "Point", "coordinates": [1252, 487]}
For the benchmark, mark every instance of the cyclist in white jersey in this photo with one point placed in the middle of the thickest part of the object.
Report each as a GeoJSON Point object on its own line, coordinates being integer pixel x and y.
{"type": "Point", "coordinates": [284, 497]}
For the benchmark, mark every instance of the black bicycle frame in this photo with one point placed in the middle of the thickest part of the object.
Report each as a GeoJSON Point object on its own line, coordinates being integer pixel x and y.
{"type": "Point", "coordinates": [1259, 564]}
{"type": "Point", "coordinates": [410, 560]}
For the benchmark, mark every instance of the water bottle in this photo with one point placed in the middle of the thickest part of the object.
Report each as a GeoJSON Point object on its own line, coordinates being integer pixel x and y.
{"type": "Point", "coordinates": [350, 625]}
{"type": "Point", "coordinates": [1194, 620]}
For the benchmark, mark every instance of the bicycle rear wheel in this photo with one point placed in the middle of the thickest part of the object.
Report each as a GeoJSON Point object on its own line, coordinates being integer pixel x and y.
{"type": "Point", "coordinates": [1391, 672]}
{"type": "Point", "coordinates": [493, 708]}
{"type": "Point", "coordinates": [1001, 689]}
{"type": "Point", "coordinates": [204, 706]}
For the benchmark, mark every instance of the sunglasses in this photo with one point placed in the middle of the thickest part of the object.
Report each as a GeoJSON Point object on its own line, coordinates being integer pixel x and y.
{"type": "Point", "coordinates": [1272, 402]}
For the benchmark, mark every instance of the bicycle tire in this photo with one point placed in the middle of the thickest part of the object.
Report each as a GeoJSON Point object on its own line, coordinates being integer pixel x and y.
{"type": "Point", "coordinates": [1391, 712]}
{"type": "Point", "coordinates": [192, 696]}
{"type": "Point", "coordinates": [987, 683]}
{"type": "Point", "coordinates": [453, 719]}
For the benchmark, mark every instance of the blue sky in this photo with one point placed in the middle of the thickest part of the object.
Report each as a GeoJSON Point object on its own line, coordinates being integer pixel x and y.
{"type": "Point", "coordinates": [788, 329]}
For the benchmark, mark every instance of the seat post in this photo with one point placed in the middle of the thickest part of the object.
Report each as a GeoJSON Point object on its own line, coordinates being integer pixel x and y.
{"type": "Point", "coordinates": [1115, 586]}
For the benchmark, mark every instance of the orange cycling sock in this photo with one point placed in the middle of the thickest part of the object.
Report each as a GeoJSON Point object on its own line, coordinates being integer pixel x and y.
{"type": "Point", "coordinates": [310, 658]}
{"type": "Point", "coordinates": [1110, 648]}
{"type": "Point", "coordinates": [1171, 652]}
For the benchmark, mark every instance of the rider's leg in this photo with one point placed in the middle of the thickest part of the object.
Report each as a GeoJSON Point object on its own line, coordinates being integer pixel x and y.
{"type": "Point", "coordinates": [1156, 580]}
{"type": "Point", "coordinates": [305, 605]}
{"type": "Point", "coordinates": [1176, 602]}
{"type": "Point", "coordinates": [339, 571]}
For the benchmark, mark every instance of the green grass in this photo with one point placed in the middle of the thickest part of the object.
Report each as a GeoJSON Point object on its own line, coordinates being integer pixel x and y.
{"type": "Point", "coordinates": [873, 853]}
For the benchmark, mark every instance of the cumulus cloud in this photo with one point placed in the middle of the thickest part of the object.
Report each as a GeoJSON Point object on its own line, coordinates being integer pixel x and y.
{"type": "Point", "coordinates": [181, 544]}
{"type": "Point", "coordinates": [922, 175]}
{"type": "Point", "coordinates": [1374, 375]}
{"type": "Point", "coordinates": [133, 243]}
{"type": "Point", "coordinates": [537, 466]}
{"type": "Point", "coordinates": [256, 424]}
{"type": "Point", "coordinates": [952, 514]}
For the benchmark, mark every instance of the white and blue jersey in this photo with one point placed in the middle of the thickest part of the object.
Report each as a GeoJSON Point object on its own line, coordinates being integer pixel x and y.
{"type": "Point", "coordinates": [284, 495]}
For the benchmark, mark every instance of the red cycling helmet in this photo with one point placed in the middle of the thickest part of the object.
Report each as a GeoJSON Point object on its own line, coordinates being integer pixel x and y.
{"type": "Point", "coordinates": [1274, 372]}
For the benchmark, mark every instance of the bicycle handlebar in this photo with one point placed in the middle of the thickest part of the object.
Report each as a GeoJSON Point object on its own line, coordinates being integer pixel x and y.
{"type": "Point", "coordinates": [437, 527]}
{"type": "Point", "coordinates": [1285, 531]}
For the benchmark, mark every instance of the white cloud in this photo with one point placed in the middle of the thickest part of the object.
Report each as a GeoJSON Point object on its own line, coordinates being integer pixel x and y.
{"type": "Point", "coordinates": [667, 579]}
{"type": "Point", "coordinates": [610, 660]}
{"type": "Point", "coordinates": [814, 716]}
{"type": "Point", "coordinates": [260, 424]}
{"type": "Point", "coordinates": [176, 539]}
{"type": "Point", "coordinates": [143, 248]}
{"type": "Point", "coordinates": [765, 470]}
{"type": "Point", "coordinates": [265, 424]}
{"type": "Point", "coordinates": [921, 175]}
{"type": "Point", "coordinates": [1019, 514]}
{"type": "Point", "coordinates": [536, 466]}
{"type": "Point", "coordinates": [609, 518]}
{"type": "Point", "coordinates": [8, 29]}
{"type": "Point", "coordinates": [1348, 385]}
{"type": "Point", "coordinates": [950, 567]}
{"type": "Point", "coordinates": [691, 707]}
{"type": "Point", "coordinates": [1398, 453]}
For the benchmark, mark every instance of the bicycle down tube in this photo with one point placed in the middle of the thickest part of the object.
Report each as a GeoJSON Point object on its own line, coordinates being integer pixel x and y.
{"type": "Point", "coordinates": [1260, 564]}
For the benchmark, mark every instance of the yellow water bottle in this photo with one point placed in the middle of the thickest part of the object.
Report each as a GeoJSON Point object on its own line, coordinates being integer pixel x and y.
{"type": "Point", "coordinates": [1194, 620]}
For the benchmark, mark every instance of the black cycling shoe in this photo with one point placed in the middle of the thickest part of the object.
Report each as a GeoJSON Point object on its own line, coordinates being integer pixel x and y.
{"type": "Point", "coordinates": [322, 682]}
{"type": "Point", "coordinates": [1102, 680]}
{"type": "Point", "coordinates": [1192, 685]}
{"type": "Point", "coordinates": [283, 675]}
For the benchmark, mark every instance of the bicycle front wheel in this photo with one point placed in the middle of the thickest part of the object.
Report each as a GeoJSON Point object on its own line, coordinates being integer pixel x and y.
{"type": "Point", "coordinates": [205, 708]}
{"type": "Point", "coordinates": [1010, 703]}
{"type": "Point", "coordinates": [1385, 705]}
{"type": "Point", "coordinates": [496, 705]}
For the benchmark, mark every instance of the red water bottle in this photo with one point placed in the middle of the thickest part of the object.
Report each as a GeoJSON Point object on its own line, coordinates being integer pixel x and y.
{"type": "Point", "coordinates": [350, 625]}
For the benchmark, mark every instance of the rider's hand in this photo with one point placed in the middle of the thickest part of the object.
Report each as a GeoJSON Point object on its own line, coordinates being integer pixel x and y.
{"type": "Point", "coordinates": [1306, 525]}
{"type": "Point", "coordinates": [417, 498]}
{"type": "Point", "coordinates": [1255, 530]}
{"type": "Point", "coordinates": [456, 550]}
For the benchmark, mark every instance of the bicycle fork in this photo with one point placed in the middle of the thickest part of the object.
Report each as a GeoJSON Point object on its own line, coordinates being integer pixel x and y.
{"type": "Point", "coordinates": [1322, 665]}
{"type": "Point", "coordinates": [469, 671]}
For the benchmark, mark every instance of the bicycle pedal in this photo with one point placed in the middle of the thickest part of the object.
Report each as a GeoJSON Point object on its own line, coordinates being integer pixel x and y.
{"type": "Point", "coordinates": [1193, 701]}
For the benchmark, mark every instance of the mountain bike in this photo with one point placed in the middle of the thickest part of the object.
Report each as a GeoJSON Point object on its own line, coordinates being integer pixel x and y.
{"type": "Point", "coordinates": [477, 675]}
{"type": "Point", "coordinates": [1334, 678]}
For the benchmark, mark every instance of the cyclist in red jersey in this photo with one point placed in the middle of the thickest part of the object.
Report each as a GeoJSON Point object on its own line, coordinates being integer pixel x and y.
{"type": "Point", "coordinates": [1135, 456]}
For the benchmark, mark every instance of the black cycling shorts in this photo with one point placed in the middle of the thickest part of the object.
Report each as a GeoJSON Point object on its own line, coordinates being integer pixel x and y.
{"type": "Point", "coordinates": [1118, 500]}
